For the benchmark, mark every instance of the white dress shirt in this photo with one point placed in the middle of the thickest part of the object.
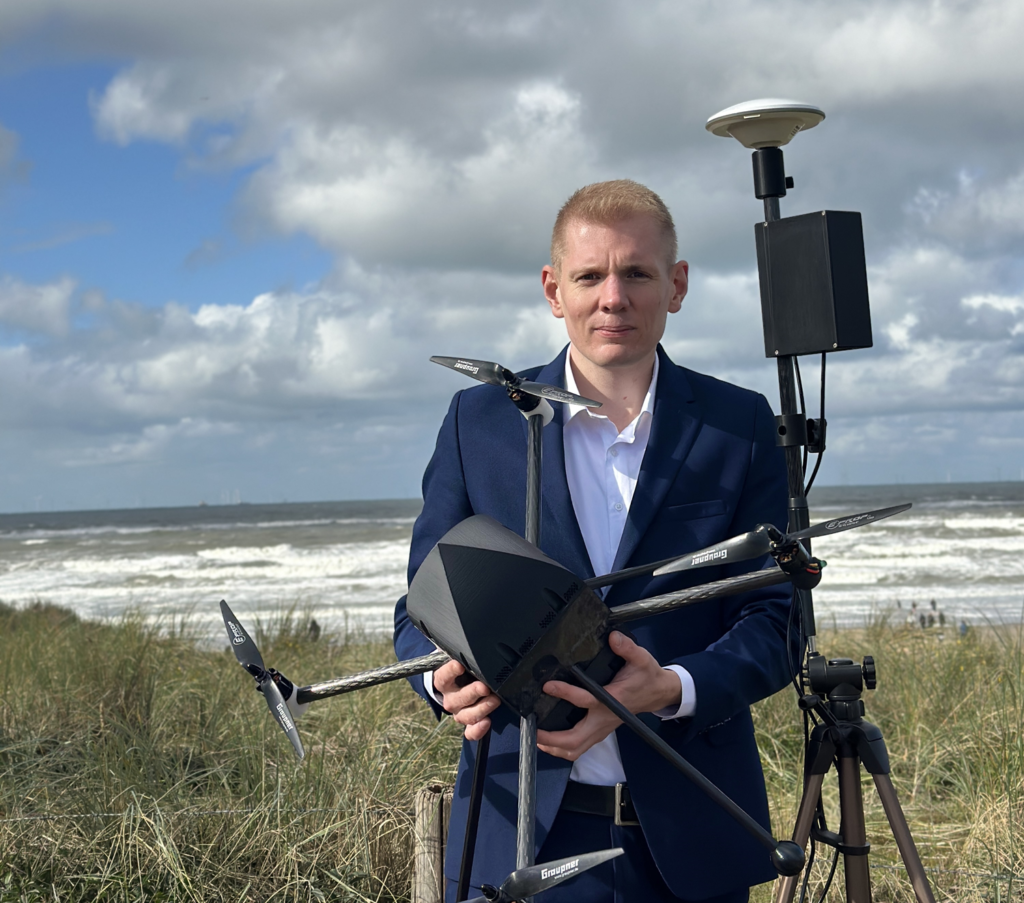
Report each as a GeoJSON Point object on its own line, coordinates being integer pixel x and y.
{"type": "Point", "coordinates": [602, 466]}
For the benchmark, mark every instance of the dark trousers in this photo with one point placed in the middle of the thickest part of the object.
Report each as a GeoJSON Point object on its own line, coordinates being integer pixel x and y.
{"type": "Point", "coordinates": [630, 878]}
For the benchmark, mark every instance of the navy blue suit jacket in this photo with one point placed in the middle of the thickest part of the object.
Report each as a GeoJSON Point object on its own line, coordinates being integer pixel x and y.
{"type": "Point", "coordinates": [711, 470]}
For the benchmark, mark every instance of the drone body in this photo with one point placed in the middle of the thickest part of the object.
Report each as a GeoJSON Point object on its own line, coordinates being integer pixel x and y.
{"type": "Point", "coordinates": [513, 617]}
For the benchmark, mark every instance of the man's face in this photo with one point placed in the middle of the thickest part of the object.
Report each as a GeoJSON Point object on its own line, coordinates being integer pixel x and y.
{"type": "Point", "coordinates": [614, 289]}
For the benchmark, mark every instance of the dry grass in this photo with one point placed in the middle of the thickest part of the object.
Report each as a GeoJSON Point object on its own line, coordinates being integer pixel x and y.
{"type": "Point", "coordinates": [201, 795]}
{"type": "Point", "coordinates": [200, 799]}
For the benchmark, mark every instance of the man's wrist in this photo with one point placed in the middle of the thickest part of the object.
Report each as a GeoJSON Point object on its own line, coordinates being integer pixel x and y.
{"type": "Point", "coordinates": [431, 690]}
{"type": "Point", "coordinates": [687, 697]}
{"type": "Point", "coordinates": [672, 693]}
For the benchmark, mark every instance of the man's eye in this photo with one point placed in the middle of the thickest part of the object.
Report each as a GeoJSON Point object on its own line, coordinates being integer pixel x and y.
{"type": "Point", "coordinates": [639, 274]}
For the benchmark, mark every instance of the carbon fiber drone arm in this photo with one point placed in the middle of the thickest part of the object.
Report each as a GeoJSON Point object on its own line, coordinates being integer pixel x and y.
{"type": "Point", "coordinates": [655, 605]}
{"type": "Point", "coordinates": [372, 678]}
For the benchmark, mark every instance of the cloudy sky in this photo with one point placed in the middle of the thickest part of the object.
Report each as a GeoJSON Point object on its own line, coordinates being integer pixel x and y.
{"type": "Point", "coordinates": [232, 232]}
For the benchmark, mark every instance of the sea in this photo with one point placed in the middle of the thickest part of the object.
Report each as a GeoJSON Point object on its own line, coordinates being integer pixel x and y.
{"type": "Point", "coordinates": [957, 554]}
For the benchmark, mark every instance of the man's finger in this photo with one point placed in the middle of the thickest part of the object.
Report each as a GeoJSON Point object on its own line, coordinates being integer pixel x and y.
{"type": "Point", "coordinates": [548, 740]}
{"type": "Point", "coordinates": [558, 752]}
{"type": "Point", "coordinates": [455, 700]}
{"type": "Point", "coordinates": [571, 744]}
{"type": "Point", "coordinates": [576, 695]}
{"type": "Point", "coordinates": [446, 675]}
{"type": "Point", "coordinates": [474, 713]}
{"type": "Point", "coordinates": [478, 730]}
{"type": "Point", "coordinates": [626, 649]}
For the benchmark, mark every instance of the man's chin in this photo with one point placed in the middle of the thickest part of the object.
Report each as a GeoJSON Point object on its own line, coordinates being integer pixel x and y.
{"type": "Point", "coordinates": [617, 356]}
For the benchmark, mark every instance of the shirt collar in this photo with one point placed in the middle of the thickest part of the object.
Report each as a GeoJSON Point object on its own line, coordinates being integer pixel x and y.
{"type": "Point", "coordinates": [646, 408]}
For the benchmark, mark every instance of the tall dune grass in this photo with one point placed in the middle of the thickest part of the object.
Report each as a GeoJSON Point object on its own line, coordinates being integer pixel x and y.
{"type": "Point", "coordinates": [163, 777]}
{"type": "Point", "coordinates": [157, 774]}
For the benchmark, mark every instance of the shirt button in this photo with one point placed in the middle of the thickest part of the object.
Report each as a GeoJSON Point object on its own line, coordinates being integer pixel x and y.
{"type": "Point", "coordinates": [618, 506]}
{"type": "Point", "coordinates": [614, 452]}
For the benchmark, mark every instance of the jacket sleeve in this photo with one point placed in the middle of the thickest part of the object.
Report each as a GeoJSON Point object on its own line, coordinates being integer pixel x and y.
{"type": "Point", "coordinates": [445, 504]}
{"type": "Point", "coordinates": [754, 658]}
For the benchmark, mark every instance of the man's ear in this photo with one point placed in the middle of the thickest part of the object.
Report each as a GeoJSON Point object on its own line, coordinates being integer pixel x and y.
{"type": "Point", "coordinates": [681, 283]}
{"type": "Point", "coordinates": [549, 279]}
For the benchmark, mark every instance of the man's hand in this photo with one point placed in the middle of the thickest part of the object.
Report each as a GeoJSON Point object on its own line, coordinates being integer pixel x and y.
{"type": "Point", "coordinates": [641, 685]}
{"type": "Point", "coordinates": [469, 705]}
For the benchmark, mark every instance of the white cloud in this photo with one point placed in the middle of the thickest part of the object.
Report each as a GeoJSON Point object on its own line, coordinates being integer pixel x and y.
{"type": "Point", "coordinates": [36, 308]}
{"type": "Point", "coordinates": [364, 339]}
{"type": "Point", "coordinates": [399, 201]}
{"type": "Point", "coordinates": [1001, 303]}
{"type": "Point", "coordinates": [428, 146]}
{"type": "Point", "coordinates": [444, 135]}
{"type": "Point", "coordinates": [983, 213]}
{"type": "Point", "coordinates": [150, 445]}
{"type": "Point", "coordinates": [13, 169]}
{"type": "Point", "coordinates": [130, 108]}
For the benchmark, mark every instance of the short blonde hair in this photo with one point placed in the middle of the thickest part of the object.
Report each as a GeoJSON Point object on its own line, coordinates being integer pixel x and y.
{"type": "Point", "coordinates": [608, 203]}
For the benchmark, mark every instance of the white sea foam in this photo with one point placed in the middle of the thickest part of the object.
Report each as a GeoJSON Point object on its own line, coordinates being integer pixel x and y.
{"type": "Point", "coordinates": [343, 565]}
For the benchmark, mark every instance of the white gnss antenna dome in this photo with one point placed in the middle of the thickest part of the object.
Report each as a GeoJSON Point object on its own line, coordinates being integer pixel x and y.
{"type": "Point", "coordinates": [768, 122]}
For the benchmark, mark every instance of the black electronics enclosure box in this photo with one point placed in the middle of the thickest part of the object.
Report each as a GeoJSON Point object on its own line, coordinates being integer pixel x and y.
{"type": "Point", "coordinates": [814, 283]}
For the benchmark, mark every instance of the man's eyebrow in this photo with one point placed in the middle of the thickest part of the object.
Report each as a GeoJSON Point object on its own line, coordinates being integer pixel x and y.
{"type": "Point", "coordinates": [583, 270]}
{"type": "Point", "coordinates": [600, 267]}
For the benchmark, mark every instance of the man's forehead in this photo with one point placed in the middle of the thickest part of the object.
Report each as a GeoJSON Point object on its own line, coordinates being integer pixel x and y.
{"type": "Point", "coordinates": [638, 238]}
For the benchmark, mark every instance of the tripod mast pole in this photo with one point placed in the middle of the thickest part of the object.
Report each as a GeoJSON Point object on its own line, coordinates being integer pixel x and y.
{"type": "Point", "coordinates": [769, 186]}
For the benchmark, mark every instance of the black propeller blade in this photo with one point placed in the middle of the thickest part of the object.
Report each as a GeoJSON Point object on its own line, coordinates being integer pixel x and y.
{"type": "Point", "coordinates": [849, 523]}
{"type": "Point", "coordinates": [740, 548]}
{"type": "Point", "coordinates": [496, 375]}
{"type": "Point", "coordinates": [536, 879]}
{"type": "Point", "coordinates": [249, 658]}
{"type": "Point", "coordinates": [764, 538]}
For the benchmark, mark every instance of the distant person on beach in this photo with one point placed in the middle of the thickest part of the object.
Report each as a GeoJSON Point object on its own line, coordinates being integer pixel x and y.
{"type": "Point", "coordinates": [672, 462]}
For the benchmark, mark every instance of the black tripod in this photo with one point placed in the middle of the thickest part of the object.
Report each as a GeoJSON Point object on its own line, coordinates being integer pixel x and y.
{"type": "Point", "coordinates": [809, 276]}
{"type": "Point", "coordinates": [844, 737]}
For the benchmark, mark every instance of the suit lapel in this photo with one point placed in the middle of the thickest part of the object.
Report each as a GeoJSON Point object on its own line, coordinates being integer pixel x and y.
{"type": "Point", "coordinates": [560, 533]}
{"type": "Point", "coordinates": [674, 428]}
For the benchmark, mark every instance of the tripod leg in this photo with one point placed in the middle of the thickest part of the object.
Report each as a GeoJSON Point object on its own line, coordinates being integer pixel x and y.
{"type": "Point", "coordinates": [786, 887]}
{"type": "Point", "coordinates": [853, 831]}
{"type": "Point", "coordinates": [904, 840]}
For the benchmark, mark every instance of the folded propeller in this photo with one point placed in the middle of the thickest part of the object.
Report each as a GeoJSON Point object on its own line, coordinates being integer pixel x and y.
{"type": "Point", "coordinates": [267, 679]}
{"type": "Point", "coordinates": [496, 375]}
{"type": "Point", "coordinates": [765, 539]}
{"type": "Point", "coordinates": [525, 882]}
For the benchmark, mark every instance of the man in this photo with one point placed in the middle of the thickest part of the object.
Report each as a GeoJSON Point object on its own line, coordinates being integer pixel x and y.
{"type": "Point", "coordinates": [672, 461]}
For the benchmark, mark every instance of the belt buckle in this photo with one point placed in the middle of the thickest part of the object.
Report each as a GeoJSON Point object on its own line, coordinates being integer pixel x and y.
{"type": "Point", "coordinates": [621, 801]}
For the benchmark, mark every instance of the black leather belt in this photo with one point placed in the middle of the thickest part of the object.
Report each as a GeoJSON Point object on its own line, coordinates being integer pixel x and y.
{"type": "Point", "coordinates": [593, 799]}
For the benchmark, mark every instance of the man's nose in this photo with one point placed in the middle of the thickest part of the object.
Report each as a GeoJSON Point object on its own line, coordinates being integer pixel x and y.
{"type": "Point", "coordinates": [614, 296]}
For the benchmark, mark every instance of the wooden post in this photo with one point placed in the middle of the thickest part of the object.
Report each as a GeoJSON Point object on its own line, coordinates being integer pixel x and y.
{"type": "Point", "coordinates": [430, 831]}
